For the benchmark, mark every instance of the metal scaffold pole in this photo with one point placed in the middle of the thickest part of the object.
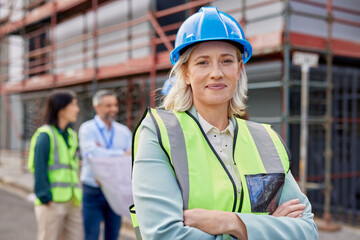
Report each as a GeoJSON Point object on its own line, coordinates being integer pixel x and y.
{"type": "Point", "coordinates": [305, 60]}
{"type": "Point", "coordinates": [95, 46]}
{"type": "Point", "coordinates": [328, 128]}
{"type": "Point", "coordinates": [304, 126]}
{"type": "Point", "coordinates": [286, 76]}
{"type": "Point", "coordinates": [26, 66]}
{"type": "Point", "coordinates": [52, 44]}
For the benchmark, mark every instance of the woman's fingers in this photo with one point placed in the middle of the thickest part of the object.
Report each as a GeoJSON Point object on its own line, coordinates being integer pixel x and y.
{"type": "Point", "coordinates": [282, 207]}
{"type": "Point", "coordinates": [288, 211]}
{"type": "Point", "coordinates": [295, 214]}
{"type": "Point", "coordinates": [291, 208]}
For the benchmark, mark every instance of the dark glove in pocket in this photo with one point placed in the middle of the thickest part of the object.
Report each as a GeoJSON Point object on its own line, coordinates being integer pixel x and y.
{"type": "Point", "coordinates": [264, 190]}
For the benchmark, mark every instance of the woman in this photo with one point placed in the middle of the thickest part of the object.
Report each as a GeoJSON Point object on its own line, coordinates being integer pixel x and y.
{"type": "Point", "coordinates": [200, 172]}
{"type": "Point", "coordinates": [54, 162]}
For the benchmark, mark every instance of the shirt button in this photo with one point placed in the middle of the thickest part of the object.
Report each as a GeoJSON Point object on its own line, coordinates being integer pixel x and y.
{"type": "Point", "coordinates": [214, 135]}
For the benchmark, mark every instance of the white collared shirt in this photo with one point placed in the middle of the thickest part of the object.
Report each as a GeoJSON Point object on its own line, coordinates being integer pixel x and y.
{"type": "Point", "coordinates": [223, 145]}
{"type": "Point", "coordinates": [93, 138]}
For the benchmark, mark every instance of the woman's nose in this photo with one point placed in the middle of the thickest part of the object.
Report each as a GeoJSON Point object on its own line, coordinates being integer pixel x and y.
{"type": "Point", "coordinates": [216, 71]}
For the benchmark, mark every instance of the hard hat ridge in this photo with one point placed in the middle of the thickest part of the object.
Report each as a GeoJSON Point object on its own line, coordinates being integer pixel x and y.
{"type": "Point", "coordinates": [209, 24]}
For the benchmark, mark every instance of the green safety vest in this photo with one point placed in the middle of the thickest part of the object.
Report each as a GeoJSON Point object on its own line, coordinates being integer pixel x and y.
{"type": "Point", "coordinates": [259, 154]}
{"type": "Point", "coordinates": [63, 164]}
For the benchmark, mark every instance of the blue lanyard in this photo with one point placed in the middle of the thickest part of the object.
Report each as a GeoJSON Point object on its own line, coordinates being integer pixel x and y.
{"type": "Point", "coordinates": [108, 144]}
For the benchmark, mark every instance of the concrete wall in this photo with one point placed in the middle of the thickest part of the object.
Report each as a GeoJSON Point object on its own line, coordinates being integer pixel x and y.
{"type": "Point", "coordinates": [17, 120]}
{"type": "Point", "coordinates": [3, 115]}
{"type": "Point", "coordinates": [3, 124]}
{"type": "Point", "coordinates": [16, 53]}
{"type": "Point", "coordinates": [318, 27]}
{"type": "Point", "coordinates": [255, 27]}
{"type": "Point", "coordinates": [12, 47]}
{"type": "Point", "coordinates": [3, 9]}
{"type": "Point", "coordinates": [17, 6]}
{"type": "Point", "coordinates": [107, 15]}
{"type": "Point", "coordinates": [264, 103]}
{"type": "Point", "coordinates": [9, 137]}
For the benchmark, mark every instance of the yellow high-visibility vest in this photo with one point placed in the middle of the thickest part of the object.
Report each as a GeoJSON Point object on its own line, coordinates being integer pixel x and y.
{"type": "Point", "coordinates": [63, 164]}
{"type": "Point", "coordinates": [258, 152]}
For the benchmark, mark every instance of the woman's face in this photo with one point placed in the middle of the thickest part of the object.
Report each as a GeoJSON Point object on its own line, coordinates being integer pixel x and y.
{"type": "Point", "coordinates": [213, 71]}
{"type": "Point", "coordinates": [70, 112]}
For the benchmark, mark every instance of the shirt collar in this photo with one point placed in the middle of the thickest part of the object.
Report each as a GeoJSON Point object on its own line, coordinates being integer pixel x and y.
{"type": "Point", "coordinates": [60, 130]}
{"type": "Point", "coordinates": [100, 122]}
{"type": "Point", "coordinates": [207, 127]}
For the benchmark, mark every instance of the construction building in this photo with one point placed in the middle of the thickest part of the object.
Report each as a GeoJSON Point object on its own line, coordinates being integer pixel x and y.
{"type": "Point", "coordinates": [124, 45]}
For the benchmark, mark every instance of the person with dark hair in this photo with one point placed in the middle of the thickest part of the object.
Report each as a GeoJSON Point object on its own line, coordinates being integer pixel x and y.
{"type": "Point", "coordinates": [101, 137]}
{"type": "Point", "coordinates": [54, 162]}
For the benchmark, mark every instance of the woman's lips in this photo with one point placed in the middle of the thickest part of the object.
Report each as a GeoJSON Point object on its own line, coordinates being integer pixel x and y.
{"type": "Point", "coordinates": [216, 86]}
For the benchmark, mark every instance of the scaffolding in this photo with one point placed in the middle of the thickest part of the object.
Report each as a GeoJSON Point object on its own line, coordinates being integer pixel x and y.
{"type": "Point", "coordinates": [140, 45]}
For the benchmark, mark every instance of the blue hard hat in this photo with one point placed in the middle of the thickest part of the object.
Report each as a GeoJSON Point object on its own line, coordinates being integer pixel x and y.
{"type": "Point", "coordinates": [206, 25]}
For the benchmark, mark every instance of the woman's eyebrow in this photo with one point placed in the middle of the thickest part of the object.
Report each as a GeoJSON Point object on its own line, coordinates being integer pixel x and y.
{"type": "Point", "coordinates": [207, 56]}
{"type": "Point", "coordinates": [202, 56]}
{"type": "Point", "coordinates": [227, 54]}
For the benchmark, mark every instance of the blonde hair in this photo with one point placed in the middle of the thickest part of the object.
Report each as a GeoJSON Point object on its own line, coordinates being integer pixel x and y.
{"type": "Point", "coordinates": [180, 95]}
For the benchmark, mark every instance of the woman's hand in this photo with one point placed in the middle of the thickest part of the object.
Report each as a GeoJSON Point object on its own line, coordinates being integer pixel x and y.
{"type": "Point", "coordinates": [291, 208]}
{"type": "Point", "coordinates": [215, 222]}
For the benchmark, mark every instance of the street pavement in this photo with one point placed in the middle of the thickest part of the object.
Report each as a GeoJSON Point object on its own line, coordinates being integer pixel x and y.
{"type": "Point", "coordinates": [15, 178]}
{"type": "Point", "coordinates": [17, 217]}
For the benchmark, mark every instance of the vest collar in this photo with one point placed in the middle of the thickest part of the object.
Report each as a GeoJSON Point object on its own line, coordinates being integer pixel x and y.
{"type": "Point", "coordinates": [60, 131]}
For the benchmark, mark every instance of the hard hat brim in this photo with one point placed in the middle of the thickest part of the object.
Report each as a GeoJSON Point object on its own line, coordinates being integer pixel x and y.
{"type": "Point", "coordinates": [179, 50]}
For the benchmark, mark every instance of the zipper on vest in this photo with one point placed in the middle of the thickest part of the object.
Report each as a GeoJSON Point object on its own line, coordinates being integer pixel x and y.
{"type": "Point", "coordinates": [242, 184]}
{"type": "Point", "coordinates": [219, 159]}
{"type": "Point", "coordinates": [71, 169]}
{"type": "Point", "coordinates": [71, 179]}
{"type": "Point", "coordinates": [241, 199]}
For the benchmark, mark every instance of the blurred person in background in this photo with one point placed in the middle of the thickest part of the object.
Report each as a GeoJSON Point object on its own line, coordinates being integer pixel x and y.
{"type": "Point", "coordinates": [54, 162]}
{"type": "Point", "coordinates": [101, 136]}
{"type": "Point", "coordinates": [200, 172]}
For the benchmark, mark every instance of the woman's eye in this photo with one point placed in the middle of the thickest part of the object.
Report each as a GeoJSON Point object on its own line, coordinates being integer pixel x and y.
{"type": "Point", "coordinates": [228, 61]}
{"type": "Point", "coordinates": [201, 63]}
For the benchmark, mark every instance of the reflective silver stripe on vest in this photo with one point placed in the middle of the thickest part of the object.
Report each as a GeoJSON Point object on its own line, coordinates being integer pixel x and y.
{"type": "Point", "coordinates": [63, 184]}
{"type": "Point", "coordinates": [137, 233]}
{"type": "Point", "coordinates": [266, 148]}
{"type": "Point", "coordinates": [57, 165]}
{"type": "Point", "coordinates": [178, 152]}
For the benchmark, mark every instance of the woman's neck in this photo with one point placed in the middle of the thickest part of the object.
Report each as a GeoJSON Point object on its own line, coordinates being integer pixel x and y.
{"type": "Point", "coordinates": [62, 124]}
{"type": "Point", "coordinates": [215, 115]}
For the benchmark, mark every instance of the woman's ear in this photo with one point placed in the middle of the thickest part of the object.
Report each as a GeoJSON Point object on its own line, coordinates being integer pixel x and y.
{"type": "Point", "coordinates": [186, 77]}
{"type": "Point", "coordinates": [60, 113]}
{"type": "Point", "coordinates": [241, 65]}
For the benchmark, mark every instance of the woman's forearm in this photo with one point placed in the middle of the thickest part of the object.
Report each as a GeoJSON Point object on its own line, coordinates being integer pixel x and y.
{"type": "Point", "coordinates": [216, 222]}
{"type": "Point", "coordinates": [237, 228]}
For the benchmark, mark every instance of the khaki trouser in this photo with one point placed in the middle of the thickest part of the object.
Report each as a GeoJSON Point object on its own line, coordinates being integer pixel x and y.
{"type": "Point", "coordinates": [59, 221]}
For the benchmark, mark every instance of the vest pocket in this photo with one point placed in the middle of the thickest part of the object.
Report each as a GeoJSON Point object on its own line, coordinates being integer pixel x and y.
{"type": "Point", "coordinates": [264, 190]}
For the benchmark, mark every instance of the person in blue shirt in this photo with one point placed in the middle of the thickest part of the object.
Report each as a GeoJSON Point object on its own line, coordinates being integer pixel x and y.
{"type": "Point", "coordinates": [101, 136]}
{"type": "Point", "coordinates": [199, 171]}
